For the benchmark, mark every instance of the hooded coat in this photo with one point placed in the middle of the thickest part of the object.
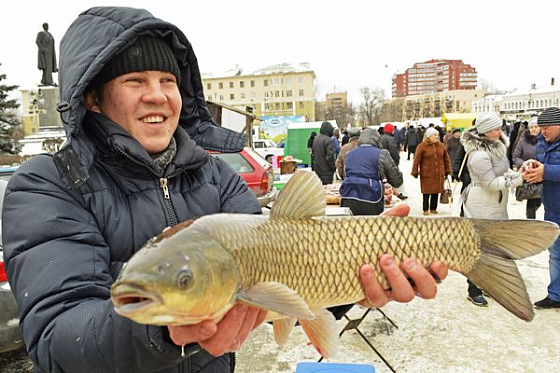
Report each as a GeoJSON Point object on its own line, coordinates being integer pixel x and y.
{"type": "Point", "coordinates": [487, 194]}
{"type": "Point", "coordinates": [71, 221]}
{"type": "Point", "coordinates": [324, 153]}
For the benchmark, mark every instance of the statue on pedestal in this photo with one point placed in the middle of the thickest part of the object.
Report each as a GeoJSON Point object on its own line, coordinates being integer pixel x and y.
{"type": "Point", "coordinates": [47, 55]}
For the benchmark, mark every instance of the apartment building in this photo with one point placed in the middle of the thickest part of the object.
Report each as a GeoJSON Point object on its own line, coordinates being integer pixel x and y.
{"type": "Point", "coordinates": [279, 90]}
{"type": "Point", "coordinates": [434, 76]}
{"type": "Point", "coordinates": [336, 100]}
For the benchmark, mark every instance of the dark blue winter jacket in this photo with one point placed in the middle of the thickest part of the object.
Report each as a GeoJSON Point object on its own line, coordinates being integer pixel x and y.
{"type": "Point", "coordinates": [549, 154]}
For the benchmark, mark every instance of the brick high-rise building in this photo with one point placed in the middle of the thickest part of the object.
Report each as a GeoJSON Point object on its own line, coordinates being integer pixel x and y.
{"type": "Point", "coordinates": [434, 76]}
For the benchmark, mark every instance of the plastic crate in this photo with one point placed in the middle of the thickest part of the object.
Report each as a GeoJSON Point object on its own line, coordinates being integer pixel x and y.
{"type": "Point", "coordinates": [334, 368]}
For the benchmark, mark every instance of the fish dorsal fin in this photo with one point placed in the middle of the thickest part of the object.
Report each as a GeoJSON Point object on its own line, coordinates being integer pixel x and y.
{"type": "Point", "coordinates": [302, 197]}
{"type": "Point", "coordinates": [322, 332]}
{"type": "Point", "coordinates": [277, 297]}
{"type": "Point", "coordinates": [282, 329]}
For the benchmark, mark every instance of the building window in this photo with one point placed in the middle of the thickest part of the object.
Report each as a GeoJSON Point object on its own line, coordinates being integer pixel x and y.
{"type": "Point", "coordinates": [289, 105]}
{"type": "Point", "coordinates": [301, 105]}
{"type": "Point", "coordinates": [266, 94]}
{"type": "Point", "coordinates": [300, 79]}
{"type": "Point", "coordinates": [266, 106]}
{"type": "Point", "coordinates": [241, 84]}
{"type": "Point", "coordinates": [288, 80]}
{"type": "Point", "coordinates": [243, 95]}
{"type": "Point", "coordinates": [231, 84]}
{"type": "Point", "coordinates": [221, 85]}
{"type": "Point", "coordinates": [231, 96]}
{"type": "Point", "coordinates": [301, 92]}
{"type": "Point", "coordinates": [208, 85]}
{"type": "Point", "coordinates": [252, 83]}
{"type": "Point", "coordinates": [209, 98]}
{"type": "Point", "coordinates": [276, 93]}
{"type": "Point", "coordinates": [289, 93]}
{"type": "Point", "coordinates": [277, 105]}
{"type": "Point", "coordinates": [253, 95]}
{"type": "Point", "coordinates": [221, 98]}
{"type": "Point", "coordinates": [265, 82]}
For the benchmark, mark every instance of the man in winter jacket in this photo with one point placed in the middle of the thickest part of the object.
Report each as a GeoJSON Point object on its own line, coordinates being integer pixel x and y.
{"type": "Point", "coordinates": [546, 169]}
{"type": "Point", "coordinates": [324, 153]}
{"type": "Point", "coordinates": [354, 136]}
{"type": "Point", "coordinates": [388, 142]}
{"type": "Point", "coordinates": [135, 119]}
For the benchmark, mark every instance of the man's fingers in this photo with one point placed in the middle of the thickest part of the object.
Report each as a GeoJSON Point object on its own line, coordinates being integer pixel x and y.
{"type": "Point", "coordinates": [440, 270]}
{"type": "Point", "coordinates": [228, 329]}
{"type": "Point", "coordinates": [182, 335]}
{"type": "Point", "coordinates": [421, 277]}
{"type": "Point", "coordinates": [401, 291]}
{"type": "Point", "coordinates": [375, 295]}
{"type": "Point", "coordinates": [248, 323]}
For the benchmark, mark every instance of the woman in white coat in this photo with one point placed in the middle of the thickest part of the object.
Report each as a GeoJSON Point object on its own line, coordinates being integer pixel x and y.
{"type": "Point", "coordinates": [487, 194]}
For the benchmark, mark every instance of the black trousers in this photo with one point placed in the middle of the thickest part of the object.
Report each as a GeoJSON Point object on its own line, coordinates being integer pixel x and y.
{"type": "Point", "coordinates": [532, 207]}
{"type": "Point", "coordinates": [430, 202]}
{"type": "Point", "coordinates": [411, 149]}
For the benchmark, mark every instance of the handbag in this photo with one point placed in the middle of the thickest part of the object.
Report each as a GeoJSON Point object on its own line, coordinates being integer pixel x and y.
{"type": "Point", "coordinates": [528, 191]}
{"type": "Point", "coordinates": [447, 195]}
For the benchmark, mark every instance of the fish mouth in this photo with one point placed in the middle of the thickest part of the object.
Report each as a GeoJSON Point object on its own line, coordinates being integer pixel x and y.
{"type": "Point", "coordinates": [131, 299]}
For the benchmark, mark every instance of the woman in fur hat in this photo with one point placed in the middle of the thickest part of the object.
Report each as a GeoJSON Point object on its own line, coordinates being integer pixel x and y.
{"type": "Point", "coordinates": [525, 149]}
{"type": "Point", "coordinates": [431, 163]}
{"type": "Point", "coordinates": [487, 194]}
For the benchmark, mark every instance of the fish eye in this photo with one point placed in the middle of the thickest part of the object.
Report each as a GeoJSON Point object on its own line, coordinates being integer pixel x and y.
{"type": "Point", "coordinates": [184, 279]}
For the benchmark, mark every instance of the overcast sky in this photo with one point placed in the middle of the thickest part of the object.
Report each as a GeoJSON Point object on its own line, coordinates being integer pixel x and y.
{"type": "Point", "coordinates": [349, 44]}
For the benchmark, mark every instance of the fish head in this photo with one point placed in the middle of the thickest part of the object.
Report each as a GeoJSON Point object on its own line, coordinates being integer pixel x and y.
{"type": "Point", "coordinates": [180, 277]}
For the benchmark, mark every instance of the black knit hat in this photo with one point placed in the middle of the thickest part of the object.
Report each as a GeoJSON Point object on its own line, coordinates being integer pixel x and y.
{"type": "Point", "coordinates": [549, 117]}
{"type": "Point", "coordinates": [146, 53]}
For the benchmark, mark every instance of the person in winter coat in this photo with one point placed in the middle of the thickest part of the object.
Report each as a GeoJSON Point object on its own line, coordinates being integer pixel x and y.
{"type": "Point", "coordinates": [487, 195]}
{"type": "Point", "coordinates": [336, 142]}
{"type": "Point", "coordinates": [132, 166]}
{"type": "Point", "coordinates": [310, 148]}
{"type": "Point", "coordinates": [366, 167]}
{"type": "Point", "coordinates": [432, 164]}
{"type": "Point", "coordinates": [323, 153]}
{"type": "Point", "coordinates": [354, 135]}
{"type": "Point", "coordinates": [546, 169]}
{"type": "Point", "coordinates": [453, 143]}
{"type": "Point", "coordinates": [388, 142]}
{"type": "Point", "coordinates": [411, 140]}
{"type": "Point", "coordinates": [525, 150]}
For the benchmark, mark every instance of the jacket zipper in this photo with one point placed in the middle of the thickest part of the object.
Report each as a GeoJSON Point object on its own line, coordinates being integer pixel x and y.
{"type": "Point", "coordinates": [167, 202]}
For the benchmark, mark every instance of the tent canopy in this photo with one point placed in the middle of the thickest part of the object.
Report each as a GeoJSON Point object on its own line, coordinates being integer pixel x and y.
{"type": "Point", "coordinates": [458, 120]}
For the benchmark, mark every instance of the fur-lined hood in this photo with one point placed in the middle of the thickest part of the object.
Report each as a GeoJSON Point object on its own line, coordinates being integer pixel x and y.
{"type": "Point", "coordinates": [473, 141]}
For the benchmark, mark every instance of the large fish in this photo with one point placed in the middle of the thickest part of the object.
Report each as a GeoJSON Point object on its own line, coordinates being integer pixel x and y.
{"type": "Point", "coordinates": [297, 262]}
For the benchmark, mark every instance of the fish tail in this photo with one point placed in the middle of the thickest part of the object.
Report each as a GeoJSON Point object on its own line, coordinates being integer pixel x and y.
{"type": "Point", "coordinates": [501, 242]}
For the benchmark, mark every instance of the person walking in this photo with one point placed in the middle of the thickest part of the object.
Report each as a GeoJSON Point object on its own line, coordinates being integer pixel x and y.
{"type": "Point", "coordinates": [310, 141]}
{"type": "Point", "coordinates": [411, 140]}
{"type": "Point", "coordinates": [323, 153]}
{"type": "Point", "coordinates": [525, 150]}
{"type": "Point", "coordinates": [486, 197]}
{"type": "Point", "coordinates": [388, 142]}
{"type": "Point", "coordinates": [354, 137]}
{"type": "Point", "coordinates": [366, 167]}
{"type": "Point", "coordinates": [432, 164]}
{"type": "Point", "coordinates": [546, 169]}
{"type": "Point", "coordinates": [453, 143]}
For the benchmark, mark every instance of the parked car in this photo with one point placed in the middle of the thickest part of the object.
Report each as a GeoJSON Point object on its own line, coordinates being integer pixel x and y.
{"type": "Point", "coordinates": [10, 334]}
{"type": "Point", "coordinates": [256, 172]}
{"type": "Point", "coordinates": [267, 149]}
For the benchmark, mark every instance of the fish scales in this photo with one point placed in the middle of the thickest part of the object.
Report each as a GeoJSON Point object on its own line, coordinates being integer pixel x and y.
{"type": "Point", "coordinates": [320, 258]}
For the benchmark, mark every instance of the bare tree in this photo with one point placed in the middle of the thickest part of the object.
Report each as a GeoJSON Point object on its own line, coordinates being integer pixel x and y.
{"type": "Point", "coordinates": [371, 106]}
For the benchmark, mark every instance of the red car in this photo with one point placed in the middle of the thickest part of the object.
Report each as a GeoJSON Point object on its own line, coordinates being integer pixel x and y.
{"type": "Point", "coordinates": [256, 172]}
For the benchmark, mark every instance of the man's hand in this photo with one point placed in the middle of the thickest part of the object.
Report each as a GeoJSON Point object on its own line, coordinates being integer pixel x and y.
{"type": "Point", "coordinates": [402, 290]}
{"type": "Point", "coordinates": [534, 174]}
{"type": "Point", "coordinates": [227, 335]}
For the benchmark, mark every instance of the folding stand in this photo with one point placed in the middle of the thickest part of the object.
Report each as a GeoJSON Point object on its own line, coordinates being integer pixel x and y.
{"type": "Point", "coordinates": [353, 324]}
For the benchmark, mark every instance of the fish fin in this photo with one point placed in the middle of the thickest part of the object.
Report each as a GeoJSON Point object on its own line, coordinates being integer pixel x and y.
{"type": "Point", "coordinates": [515, 239]}
{"type": "Point", "coordinates": [501, 279]}
{"type": "Point", "coordinates": [502, 241]}
{"type": "Point", "coordinates": [282, 329]}
{"type": "Point", "coordinates": [322, 332]}
{"type": "Point", "coordinates": [277, 297]}
{"type": "Point", "coordinates": [302, 197]}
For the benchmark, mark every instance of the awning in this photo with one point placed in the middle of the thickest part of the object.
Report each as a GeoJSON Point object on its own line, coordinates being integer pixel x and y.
{"type": "Point", "coordinates": [458, 120]}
